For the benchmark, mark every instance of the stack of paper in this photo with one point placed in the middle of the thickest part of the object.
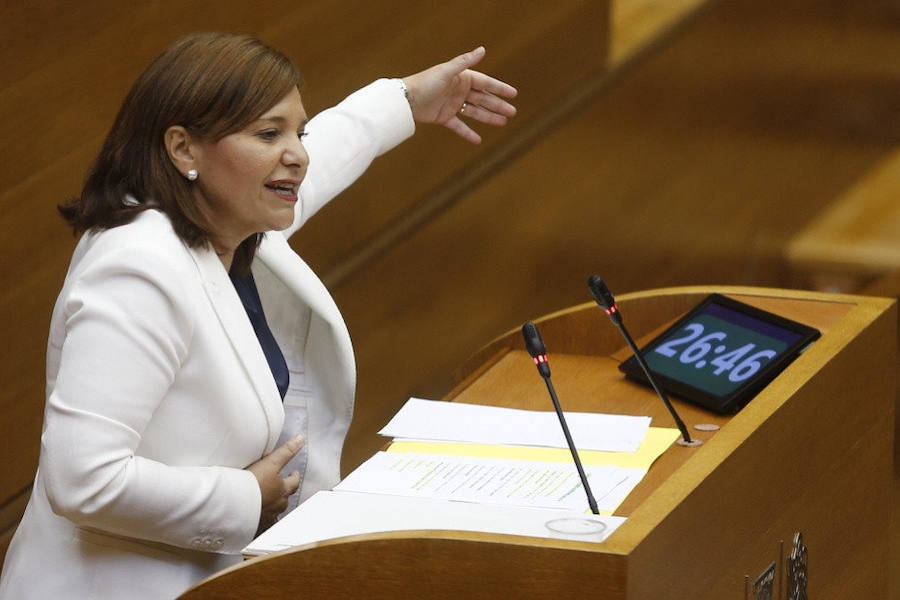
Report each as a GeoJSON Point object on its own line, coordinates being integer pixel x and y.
{"type": "Point", "coordinates": [454, 421]}
{"type": "Point", "coordinates": [482, 468]}
{"type": "Point", "coordinates": [509, 456]}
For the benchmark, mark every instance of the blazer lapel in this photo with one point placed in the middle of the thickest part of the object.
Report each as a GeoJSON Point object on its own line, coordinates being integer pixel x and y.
{"type": "Point", "coordinates": [296, 275]}
{"type": "Point", "coordinates": [328, 356]}
{"type": "Point", "coordinates": [233, 317]}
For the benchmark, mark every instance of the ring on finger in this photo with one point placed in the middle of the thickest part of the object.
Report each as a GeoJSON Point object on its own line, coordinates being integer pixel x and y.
{"type": "Point", "coordinates": [462, 109]}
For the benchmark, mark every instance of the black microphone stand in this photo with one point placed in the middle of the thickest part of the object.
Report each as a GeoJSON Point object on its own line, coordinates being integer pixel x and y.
{"type": "Point", "coordinates": [607, 302]}
{"type": "Point", "coordinates": [535, 346]}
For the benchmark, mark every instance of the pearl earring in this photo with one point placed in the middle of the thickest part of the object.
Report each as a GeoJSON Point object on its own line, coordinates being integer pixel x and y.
{"type": "Point", "coordinates": [192, 174]}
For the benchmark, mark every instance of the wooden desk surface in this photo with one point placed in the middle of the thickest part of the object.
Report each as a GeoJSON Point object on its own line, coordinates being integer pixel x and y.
{"type": "Point", "coordinates": [594, 384]}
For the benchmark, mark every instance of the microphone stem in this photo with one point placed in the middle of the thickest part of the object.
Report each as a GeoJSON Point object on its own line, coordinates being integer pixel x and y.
{"type": "Point", "coordinates": [660, 393]}
{"type": "Point", "coordinates": [562, 421]}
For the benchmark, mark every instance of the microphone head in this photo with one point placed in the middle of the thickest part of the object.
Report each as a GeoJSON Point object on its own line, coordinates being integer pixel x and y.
{"type": "Point", "coordinates": [601, 293]}
{"type": "Point", "coordinates": [533, 342]}
{"type": "Point", "coordinates": [535, 346]}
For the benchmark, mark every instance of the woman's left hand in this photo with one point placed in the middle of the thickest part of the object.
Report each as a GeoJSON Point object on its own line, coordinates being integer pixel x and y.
{"type": "Point", "coordinates": [450, 90]}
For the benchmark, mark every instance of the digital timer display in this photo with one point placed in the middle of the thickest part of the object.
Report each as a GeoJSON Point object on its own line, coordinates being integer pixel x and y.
{"type": "Point", "coordinates": [723, 352]}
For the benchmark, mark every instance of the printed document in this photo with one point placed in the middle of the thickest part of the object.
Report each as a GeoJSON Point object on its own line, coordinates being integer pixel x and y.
{"type": "Point", "coordinates": [491, 480]}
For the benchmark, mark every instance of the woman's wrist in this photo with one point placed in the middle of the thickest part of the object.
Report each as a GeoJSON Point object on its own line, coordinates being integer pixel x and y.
{"type": "Point", "coordinates": [405, 89]}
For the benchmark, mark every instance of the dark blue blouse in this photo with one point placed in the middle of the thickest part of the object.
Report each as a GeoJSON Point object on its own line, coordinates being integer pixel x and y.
{"type": "Point", "coordinates": [249, 295]}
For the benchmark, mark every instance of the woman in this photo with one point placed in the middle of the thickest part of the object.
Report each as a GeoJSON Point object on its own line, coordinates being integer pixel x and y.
{"type": "Point", "coordinates": [183, 333]}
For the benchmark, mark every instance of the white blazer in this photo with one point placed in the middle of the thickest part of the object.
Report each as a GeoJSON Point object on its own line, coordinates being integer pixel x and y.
{"type": "Point", "coordinates": [159, 395]}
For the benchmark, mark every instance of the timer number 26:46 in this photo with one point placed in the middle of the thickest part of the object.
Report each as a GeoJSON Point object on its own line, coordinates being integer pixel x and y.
{"type": "Point", "coordinates": [734, 362]}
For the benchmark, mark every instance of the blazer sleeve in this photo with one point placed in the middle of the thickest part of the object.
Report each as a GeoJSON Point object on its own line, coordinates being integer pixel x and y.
{"type": "Point", "coordinates": [344, 140]}
{"type": "Point", "coordinates": [129, 319]}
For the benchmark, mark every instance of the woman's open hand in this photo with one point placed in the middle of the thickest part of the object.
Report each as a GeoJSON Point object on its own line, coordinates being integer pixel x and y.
{"type": "Point", "coordinates": [450, 90]}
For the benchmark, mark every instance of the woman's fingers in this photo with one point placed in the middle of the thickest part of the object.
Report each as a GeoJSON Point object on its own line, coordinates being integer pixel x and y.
{"type": "Point", "coordinates": [281, 455]}
{"type": "Point", "coordinates": [491, 104]}
{"type": "Point", "coordinates": [464, 61]}
{"type": "Point", "coordinates": [292, 483]}
{"type": "Point", "coordinates": [492, 86]}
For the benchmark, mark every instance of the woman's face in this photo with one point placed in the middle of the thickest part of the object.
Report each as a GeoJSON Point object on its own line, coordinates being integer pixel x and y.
{"type": "Point", "coordinates": [248, 180]}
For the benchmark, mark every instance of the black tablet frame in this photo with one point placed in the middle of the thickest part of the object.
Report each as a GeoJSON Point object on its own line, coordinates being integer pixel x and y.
{"type": "Point", "coordinates": [739, 397]}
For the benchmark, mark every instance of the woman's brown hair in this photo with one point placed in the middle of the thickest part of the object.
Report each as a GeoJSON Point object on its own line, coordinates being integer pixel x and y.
{"type": "Point", "coordinates": [212, 84]}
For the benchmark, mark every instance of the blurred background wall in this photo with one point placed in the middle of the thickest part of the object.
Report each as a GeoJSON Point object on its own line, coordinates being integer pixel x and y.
{"type": "Point", "coordinates": [658, 142]}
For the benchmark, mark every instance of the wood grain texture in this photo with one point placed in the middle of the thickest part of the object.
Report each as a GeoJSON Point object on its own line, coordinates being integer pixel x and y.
{"type": "Point", "coordinates": [426, 564]}
{"type": "Point", "coordinates": [859, 233]}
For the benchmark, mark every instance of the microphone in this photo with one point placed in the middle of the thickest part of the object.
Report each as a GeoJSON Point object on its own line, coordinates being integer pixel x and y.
{"type": "Point", "coordinates": [607, 302]}
{"type": "Point", "coordinates": [535, 346]}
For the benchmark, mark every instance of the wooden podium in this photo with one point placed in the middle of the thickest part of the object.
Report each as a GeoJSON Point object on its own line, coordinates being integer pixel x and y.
{"type": "Point", "coordinates": [812, 453]}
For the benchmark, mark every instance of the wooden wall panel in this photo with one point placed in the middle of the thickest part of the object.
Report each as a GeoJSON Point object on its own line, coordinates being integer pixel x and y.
{"type": "Point", "coordinates": [551, 47]}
